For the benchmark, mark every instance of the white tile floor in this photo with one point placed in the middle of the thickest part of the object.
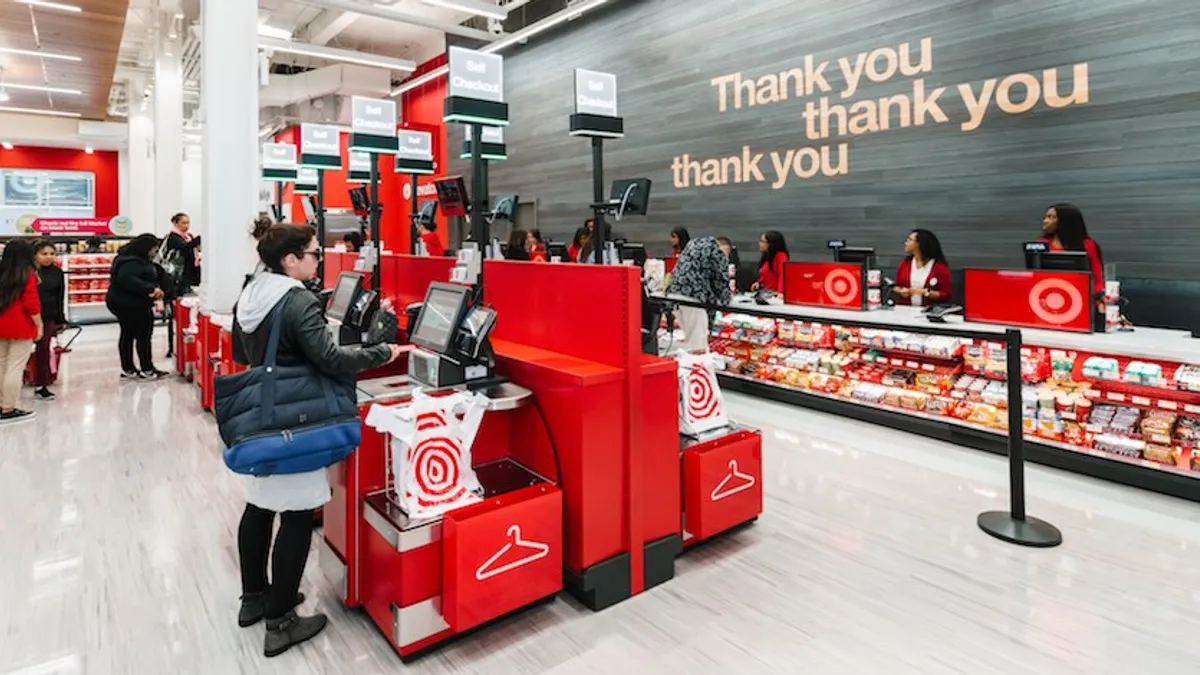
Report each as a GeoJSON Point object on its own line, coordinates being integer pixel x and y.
{"type": "Point", "coordinates": [117, 555]}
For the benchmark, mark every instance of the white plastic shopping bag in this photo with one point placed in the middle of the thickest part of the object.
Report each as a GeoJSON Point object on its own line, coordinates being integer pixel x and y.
{"type": "Point", "coordinates": [431, 450]}
{"type": "Point", "coordinates": [701, 405]}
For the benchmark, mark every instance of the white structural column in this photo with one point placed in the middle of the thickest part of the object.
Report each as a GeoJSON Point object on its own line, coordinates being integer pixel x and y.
{"type": "Point", "coordinates": [168, 134]}
{"type": "Point", "coordinates": [230, 155]}
{"type": "Point", "coordinates": [141, 164]}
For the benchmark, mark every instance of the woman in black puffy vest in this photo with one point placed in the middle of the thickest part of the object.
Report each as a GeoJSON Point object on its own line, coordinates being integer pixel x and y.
{"type": "Point", "coordinates": [289, 255]}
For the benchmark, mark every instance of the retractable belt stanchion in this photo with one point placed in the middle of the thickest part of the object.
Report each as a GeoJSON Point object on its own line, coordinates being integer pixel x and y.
{"type": "Point", "coordinates": [1014, 526]}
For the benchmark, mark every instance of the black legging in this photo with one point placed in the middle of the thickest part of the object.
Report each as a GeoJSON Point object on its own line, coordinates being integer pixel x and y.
{"type": "Point", "coordinates": [287, 561]}
{"type": "Point", "coordinates": [137, 324]}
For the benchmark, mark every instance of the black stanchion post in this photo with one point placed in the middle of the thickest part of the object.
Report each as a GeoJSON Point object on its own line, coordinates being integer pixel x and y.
{"type": "Point", "coordinates": [598, 197]}
{"type": "Point", "coordinates": [416, 234]}
{"type": "Point", "coordinates": [479, 188]}
{"type": "Point", "coordinates": [373, 222]}
{"type": "Point", "coordinates": [1014, 526]}
{"type": "Point", "coordinates": [321, 221]}
{"type": "Point", "coordinates": [279, 200]}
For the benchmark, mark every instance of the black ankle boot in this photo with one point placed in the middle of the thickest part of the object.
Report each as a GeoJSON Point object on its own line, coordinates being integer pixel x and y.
{"type": "Point", "coordinates": [254, 606]}
{"type": "Point", "coordinates": [290, 630]}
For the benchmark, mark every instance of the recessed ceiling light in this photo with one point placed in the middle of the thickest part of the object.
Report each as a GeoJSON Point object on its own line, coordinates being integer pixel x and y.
{"type": "Point", "coordinates": [39, 111]}
{"type": "Point", "coordinates": [51, 5]}
{"type": "Point", "coordinates": [38, 52]}
{"type": "Point", "coordinates": [38, 87]}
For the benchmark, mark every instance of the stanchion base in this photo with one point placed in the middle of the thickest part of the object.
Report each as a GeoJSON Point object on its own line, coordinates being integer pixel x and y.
{"type": "Point", "coordinates": [1029, 532]}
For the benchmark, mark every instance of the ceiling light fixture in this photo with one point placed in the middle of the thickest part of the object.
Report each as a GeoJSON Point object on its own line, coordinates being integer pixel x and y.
{"type": "Point", "coordinates": [332, 54]}
{"type": "Point", "coordinates": [269, 31]}
{"type": "Point", "coordinates": [8, 146]}
{"type": "Point", "coordinates": [48, 90]}
{"type": "Point", "coordinates": [471, 7]}
{"type": "Point", "coordinates": [39, 53]}
{"type": "Point", "coordinates": [519, 36]}
{"type": "Point", "coordinates": [89, 149]}
{"type": "Point", "coordinates": [39, 111]}
{"type": "Point", "coordinates": [50, 5]}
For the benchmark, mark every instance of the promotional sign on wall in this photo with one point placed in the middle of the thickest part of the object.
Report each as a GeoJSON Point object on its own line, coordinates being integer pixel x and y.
{"type": "Point", "coordinates": [306, 181]}
{"type": "Point", "coordinates": [360, 167]}
{"type": "Point", "coordinates": [414, 152]}
{"type": "Point", "coordinates": [279, 162]}
{"type": "Point", "coordinates": [320, 146]}
{"type": "Point", "coordinates": [476, 88]}
{"type": "Point", "coordinates": [492, 146]}
{"type": "Point", "coordinates": [373, 126]}
{"type": "Point", "coordinates": [31, 224]}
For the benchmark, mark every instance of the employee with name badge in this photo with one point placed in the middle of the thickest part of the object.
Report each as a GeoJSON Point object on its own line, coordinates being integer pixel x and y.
{"type": "Point", "coordinates": [923, 278]}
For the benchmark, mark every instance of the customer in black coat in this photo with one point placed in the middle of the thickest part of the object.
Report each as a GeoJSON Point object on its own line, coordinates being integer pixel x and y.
{"type": "Point", "coordinates": [52, 291]}
{"type": "Point", "coordinates": [289, 255]}
{"type": "Point", "coordinates": [184, 248]}
{"type": "Point", "coordinates": [132, 289]}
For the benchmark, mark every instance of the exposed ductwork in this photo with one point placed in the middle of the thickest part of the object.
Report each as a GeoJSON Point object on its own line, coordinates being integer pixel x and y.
{"type": "Point", "coordinates": [320, 95]}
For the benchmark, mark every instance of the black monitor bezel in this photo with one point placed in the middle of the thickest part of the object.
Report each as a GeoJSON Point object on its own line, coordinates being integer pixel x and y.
{"type": "Point", "coordinates": [1073, 261]}
{"type": "Point", "coordinates": [639, 200]}
{"type": "Point", "coordinates": [414, 334]}
{"type": "Point", "coordinates": [359, 286]}
{"type": "Point", "coordinates": [867, 254]}
{"type": "Point", "coordinates": [452, 207]}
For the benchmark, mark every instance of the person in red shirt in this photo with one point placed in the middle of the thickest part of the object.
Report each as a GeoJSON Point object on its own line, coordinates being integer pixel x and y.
{"type": "Point", "coordinates": [1063, 228]}
{"type": "Point", "coordinates": [20, 324]}
{"type": "Point", "coordinates": [770, 266]}
{"type": "Point", "coordinates": [579, 241]}
{"type": "Point", "coordinates": [429, 237]}
{"type": "Point", "coordinates": [923, 278]}
{"type": "Point", "coordinates": [536, 246]}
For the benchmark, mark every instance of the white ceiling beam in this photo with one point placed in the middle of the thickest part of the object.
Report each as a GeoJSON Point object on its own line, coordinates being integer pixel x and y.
{"type": "Point", "coordinates": [404, 17]}
{"type": "Point", "coordinates": [330, 24]}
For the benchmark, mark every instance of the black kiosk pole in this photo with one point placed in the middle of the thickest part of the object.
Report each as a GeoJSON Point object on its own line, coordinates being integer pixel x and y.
{"type": "Point", "coordinates": [479, 225]}
{"type": "Point", "coordinates": [373, 222]}
{"type": "Point", "coordinates": [321, 222]}
{"type": "Point", "coordinates": [278, 201]}
{"type": "Point", "coordinates": [1014, 526]}
{"type": "Point", "coordinates": [598, 198]}
{"type": "Point", "coordinates": [415, 235]}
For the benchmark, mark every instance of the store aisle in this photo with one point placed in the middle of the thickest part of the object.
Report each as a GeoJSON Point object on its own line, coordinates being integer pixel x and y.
{"type": "Point", "coordinates": [118, 556]}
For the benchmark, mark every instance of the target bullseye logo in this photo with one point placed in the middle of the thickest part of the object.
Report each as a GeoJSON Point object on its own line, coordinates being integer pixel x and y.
{"type": "Point", "coordinates": [437, 459]}
{"type": "Point", "coordinates": [1056, 301]}
{"type": "Point", "coordinates": [701, 399]}
{"type": "Point", "coordinates": [841, 287]}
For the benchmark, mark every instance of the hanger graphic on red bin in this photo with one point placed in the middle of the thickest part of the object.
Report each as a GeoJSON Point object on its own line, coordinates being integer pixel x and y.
{"type": "Point", "coordinates": [734, 482]}
{"type": "Point", "coordinates": [532, 551]}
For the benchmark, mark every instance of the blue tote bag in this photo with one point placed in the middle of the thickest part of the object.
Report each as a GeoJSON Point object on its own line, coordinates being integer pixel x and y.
{"type": "Point", "coordinates": [285, 419]}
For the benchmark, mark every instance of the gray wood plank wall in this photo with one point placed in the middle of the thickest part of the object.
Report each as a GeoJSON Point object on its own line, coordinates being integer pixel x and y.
{"type": "Point", "coordinates": [1129, 157]}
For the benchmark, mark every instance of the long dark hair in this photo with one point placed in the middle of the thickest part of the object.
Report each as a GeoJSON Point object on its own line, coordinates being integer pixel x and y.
{"type": "Point", "coordinates": [15, 267]}
{"type": "Point", "coordinates": [141, 246]}
{"type": "Point", "coordinates": [930, 247]}
{"type": "Point", "coordinates": [580, 235]}
{"type": "Point", "coordinates": [515, 250]}
{"type": "Point", "coordinates": [684, 237]}
{"type": "Point", "coordinates": [1072, 231]}
{"type": "Point", "coordinates": [775, 245]}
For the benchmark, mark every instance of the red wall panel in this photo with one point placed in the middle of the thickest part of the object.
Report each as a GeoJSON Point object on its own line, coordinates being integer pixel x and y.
{"type": "Point", "coordinates": [102, 163]}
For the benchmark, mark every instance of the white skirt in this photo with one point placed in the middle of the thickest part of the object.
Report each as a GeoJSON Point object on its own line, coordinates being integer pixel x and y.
{"type": "Point", "coordinates": [289, 492]}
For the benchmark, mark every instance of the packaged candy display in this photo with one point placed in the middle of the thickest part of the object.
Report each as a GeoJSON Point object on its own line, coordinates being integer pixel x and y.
{"type": "Point", "coordinates": [1074, 400]}
{"type": "Point", "coordinates": [87, 280]}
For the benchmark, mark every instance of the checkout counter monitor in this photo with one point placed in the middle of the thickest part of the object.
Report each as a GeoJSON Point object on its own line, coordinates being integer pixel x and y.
{"type": "Point", "coordinates": [345, 294]}
{"type": "Point", "coordinates": [441, 314]}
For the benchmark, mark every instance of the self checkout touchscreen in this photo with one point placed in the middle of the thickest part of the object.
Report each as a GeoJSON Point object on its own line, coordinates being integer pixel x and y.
{"type": "Point", "coordinates": [440, 316]}
{"type": "Point", "coordinates": [349, 286]}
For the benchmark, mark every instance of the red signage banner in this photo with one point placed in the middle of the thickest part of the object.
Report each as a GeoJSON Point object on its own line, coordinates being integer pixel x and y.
{"type": "Point", "coordinates": [838, 285]}
{"type": "Point", "coordinates": [1029, 298]}
{"type": "Point", "coordinates": [89, 226]}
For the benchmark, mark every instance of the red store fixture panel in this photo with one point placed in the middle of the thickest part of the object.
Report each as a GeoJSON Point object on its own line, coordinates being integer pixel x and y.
{"type": "Point", "coordinates": [838, 285]}
{"type": "Point", "coordinates": [1033, 299]}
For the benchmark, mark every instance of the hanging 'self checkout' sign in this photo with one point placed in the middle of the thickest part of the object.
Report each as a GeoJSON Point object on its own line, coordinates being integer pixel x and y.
{"type": "Point", "coordinates": [320, 147]}
{"type": "Point", "coordinates": [373, 127]}
{"type": "Point", "coordinates": [414, 152]}
{"type": "Point", "coordinates": [360, 167]}
{"type": "Point", "coordinates": [491, 146]}
{"type": "Point", "coordinates": [596, 105]}
{"type": "Point", "coordinates": [279, 162]}
{"type": "Point", "coordinates": [476, 89]}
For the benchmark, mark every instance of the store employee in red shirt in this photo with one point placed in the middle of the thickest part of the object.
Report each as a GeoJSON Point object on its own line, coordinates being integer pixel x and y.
{"type": "Point", "coordinates": [770, 266]}
{"type": "Point", "coordinates": [1063, 228]}
{"type": "Point", "coordinates": [923, 278]}
{"type": "Point", "coordinates": [20, 323]}
{"type": "Point", "coordinates": [429, 237]}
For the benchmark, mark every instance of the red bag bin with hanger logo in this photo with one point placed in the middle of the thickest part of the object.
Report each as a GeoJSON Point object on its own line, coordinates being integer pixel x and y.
{"type": "Point", "coordinates": [722, 482]}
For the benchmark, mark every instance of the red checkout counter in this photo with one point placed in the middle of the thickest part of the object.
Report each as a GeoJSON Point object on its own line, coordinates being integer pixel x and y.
{"type": "Point", "coordinates": [1113, 404]}
{"type": "Point", "coordinates": [582, 462]}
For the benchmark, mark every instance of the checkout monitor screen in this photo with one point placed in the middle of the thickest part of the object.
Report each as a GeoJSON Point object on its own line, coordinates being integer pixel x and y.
{"type": "Point", "coordinates": [344, 293]}
{"type": "Point", "coordinates": [440, 316]}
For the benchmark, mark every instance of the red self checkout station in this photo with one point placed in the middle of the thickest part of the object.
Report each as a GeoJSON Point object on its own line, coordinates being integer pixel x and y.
{"type": "Point", "coordinates": [580, 479]}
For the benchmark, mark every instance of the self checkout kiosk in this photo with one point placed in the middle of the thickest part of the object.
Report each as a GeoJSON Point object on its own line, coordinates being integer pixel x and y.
{"type": "Point", "coordinates": [452, 348]}
{"type": "Point", "coordinates": [354, 315]}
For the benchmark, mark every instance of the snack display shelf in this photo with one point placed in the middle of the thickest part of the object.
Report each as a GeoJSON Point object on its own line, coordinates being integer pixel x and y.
{"type": "Point", "coordinates": [1128, 418]}
{"type": "Point", "coordinates": [87, 282]}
